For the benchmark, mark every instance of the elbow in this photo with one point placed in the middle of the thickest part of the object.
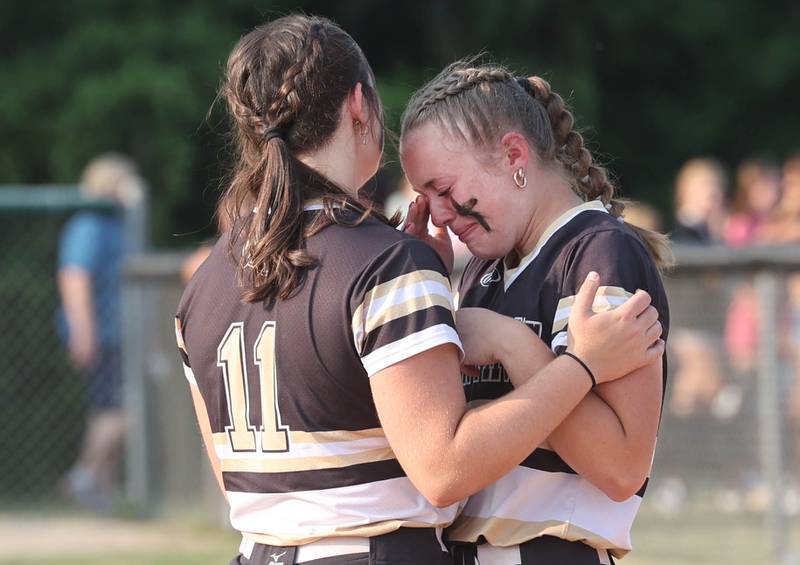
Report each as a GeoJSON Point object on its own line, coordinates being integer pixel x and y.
{"type": "Point", "coordinates": [439, 490]}
{"type": "Point", "coordinates": [621, 486]}
{"type": "Point", "coordinates": [441, 496]}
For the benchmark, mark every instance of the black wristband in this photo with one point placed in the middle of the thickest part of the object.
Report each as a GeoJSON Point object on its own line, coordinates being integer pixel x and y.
{"type": "Point", "coordinates": [584, 365]}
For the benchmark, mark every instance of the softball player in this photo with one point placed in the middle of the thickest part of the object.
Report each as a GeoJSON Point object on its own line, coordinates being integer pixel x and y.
{"type": "Point", "coordinates": [496, 160]}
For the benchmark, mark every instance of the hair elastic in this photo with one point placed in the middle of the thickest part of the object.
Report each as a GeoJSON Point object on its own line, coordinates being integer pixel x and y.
{"type": "Point", "coordinates": [272, 133]}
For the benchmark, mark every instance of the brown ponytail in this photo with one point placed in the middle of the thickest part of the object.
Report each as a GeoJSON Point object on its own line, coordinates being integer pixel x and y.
{"type": "Point", "coordinates": [478, 103]}
{"type": "Point", "coordinates": [284, 86]}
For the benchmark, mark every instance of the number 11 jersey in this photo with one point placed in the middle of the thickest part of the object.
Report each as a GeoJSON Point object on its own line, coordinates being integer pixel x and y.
{"type": "Point", "coordinates": [286, 384]}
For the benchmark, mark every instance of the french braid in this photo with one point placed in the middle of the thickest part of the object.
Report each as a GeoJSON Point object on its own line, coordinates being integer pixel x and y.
{"type": "Point", "coordinates": [285, 84]}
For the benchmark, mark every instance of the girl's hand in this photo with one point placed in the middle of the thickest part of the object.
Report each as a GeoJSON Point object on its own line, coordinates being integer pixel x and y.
{"type": "Point", "coordinates": [616, 342]}
{"type": "Point", "coordinates": [417, 223]}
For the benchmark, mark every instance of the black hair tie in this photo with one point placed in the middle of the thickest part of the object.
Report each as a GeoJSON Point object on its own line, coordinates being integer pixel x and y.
{"type": "Point", "coordinates": [582, 364]}
{"type": "Point", "coordinates": [272, 133]}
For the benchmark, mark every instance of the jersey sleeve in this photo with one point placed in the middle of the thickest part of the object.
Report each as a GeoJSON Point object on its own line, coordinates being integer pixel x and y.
{"type": "Point", "coordinates": [621, 261]}
{"type": "Point", "coordinates": [187, 368]}
{"type": "Point", "coordinates": [401, 305]}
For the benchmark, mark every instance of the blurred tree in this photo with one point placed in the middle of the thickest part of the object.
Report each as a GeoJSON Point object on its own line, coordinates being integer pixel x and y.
{"type": "Point", "coordinates": [652, 83]}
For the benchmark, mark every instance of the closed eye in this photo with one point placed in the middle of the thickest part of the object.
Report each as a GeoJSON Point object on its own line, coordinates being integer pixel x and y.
{"type": "Point", "coordinates": [444, 192]}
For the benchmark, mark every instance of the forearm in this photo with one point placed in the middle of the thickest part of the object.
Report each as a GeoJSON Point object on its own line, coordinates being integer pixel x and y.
{"type": "Point", "coordinates": [477, 455]}
{"type": "Point", "coordinates": [208, 438]}
{"type": "Point", "coordinates": [610, 436]}
{"type": "Point", "coordinates": [76, 296]}
{"type": "Point", "coordinates": [591, 439]}
{"type": "Point", "coordinates": [593, 442]}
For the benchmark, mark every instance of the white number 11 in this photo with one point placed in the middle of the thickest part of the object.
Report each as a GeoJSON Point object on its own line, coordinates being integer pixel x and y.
{"type": "Point", "coordinates": [231, 358]}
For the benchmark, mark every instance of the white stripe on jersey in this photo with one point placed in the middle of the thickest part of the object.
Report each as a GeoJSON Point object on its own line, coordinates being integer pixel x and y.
{"type": "Point", "coordinates": [396, 298]}
{"type": "Point", "coordinates": [376, 314]}
{"type": "Point", "coordinates": [607, 298]}
{"type": "Point", "coordinates": [560, 504]}
{"type": "Point", "coordinates": [187, 371]}
{"type": "Point", "coordinates": [559, 340]}
{"type": "Point", "coordinates": [409, 346]}
{"type": "Point", "coordinates": [358, 510]}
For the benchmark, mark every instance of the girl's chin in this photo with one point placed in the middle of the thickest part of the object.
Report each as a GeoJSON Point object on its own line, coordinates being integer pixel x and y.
{"type": "Point", "coordinates": [482, 252]}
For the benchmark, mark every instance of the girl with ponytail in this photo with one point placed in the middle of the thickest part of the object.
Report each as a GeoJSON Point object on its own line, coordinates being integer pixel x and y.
{"type": "Point", "coordinates": [497, 160]}
{"type": "Point", "coordinates": [319, 342]}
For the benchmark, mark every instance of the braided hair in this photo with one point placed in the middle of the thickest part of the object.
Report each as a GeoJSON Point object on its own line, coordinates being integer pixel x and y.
{"type": "Point", "coordinates": [285, 84]}
{"type": "Point", "coordinates": [478, 104]}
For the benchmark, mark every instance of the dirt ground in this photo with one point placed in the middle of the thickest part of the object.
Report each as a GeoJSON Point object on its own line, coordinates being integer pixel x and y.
{"type": "Point", "coordinates": [65, 536]}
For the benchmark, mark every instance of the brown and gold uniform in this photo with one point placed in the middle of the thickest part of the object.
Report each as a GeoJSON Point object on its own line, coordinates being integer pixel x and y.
{"type": "Point", "coordinates": [287, 390]}
{"type": "Point", "coordinates": [543, 496]}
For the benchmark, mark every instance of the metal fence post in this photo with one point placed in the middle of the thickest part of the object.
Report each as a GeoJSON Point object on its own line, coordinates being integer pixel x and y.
{"type": "Point", "coordinates": [769, 408]}
{"type": "Point", "coordinates": [133, 356]}
{"type": "Point", "coordinates": [135, 319]}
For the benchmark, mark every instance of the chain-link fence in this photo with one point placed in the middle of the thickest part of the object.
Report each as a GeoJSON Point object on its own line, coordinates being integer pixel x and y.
{"type": "Point", "coordinates": [43, 400]}
{"type": "Point", "coordinates": [725, 483]}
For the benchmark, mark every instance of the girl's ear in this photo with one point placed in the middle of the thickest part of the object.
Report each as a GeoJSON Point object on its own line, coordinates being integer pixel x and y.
{"type": "Point", "coordinates": [356, 104]}
{"type": "Point", "coordinates": [515, 151]}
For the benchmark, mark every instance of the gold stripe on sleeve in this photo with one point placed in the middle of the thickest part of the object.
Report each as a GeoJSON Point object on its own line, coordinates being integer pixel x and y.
{"type": "Point", "coordinates": [379, 291]}
{"type": "Point", "coordinates": [601, 304]}
{"type": "Point", "coordinates": [406, 308]}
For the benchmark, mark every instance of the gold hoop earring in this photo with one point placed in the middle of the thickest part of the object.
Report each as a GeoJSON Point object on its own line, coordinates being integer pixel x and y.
{"type": "Point", "coordinates": [520, 179]}
{"type": "Point", "coordinates": [362, 131]}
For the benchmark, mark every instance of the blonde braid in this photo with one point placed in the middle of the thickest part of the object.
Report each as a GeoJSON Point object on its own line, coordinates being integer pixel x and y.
{"type": "Point", "coordinates": [457, 82]}
{"type": "Point", "coordinates": [591, 179]}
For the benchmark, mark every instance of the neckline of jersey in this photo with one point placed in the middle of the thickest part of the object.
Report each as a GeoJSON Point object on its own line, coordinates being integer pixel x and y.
{"type": "Point", "coordinates": [510, 275]}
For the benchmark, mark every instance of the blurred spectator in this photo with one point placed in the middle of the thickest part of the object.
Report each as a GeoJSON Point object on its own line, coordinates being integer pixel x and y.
{"type": "Point", "coordinates": [642, 215]}
{"type": "Point", "coordinates": [91, 249]}
{"type": "Point", "coordinates": [757, 195]}
{"type": "Point", "coordinates": [699, 400]}
{"type": "Point", "coordinates": [700, 202]}
{"type": "Point", "coordinates": [758, 190]}
{"type": "Point", "coordinates": [783, 226]}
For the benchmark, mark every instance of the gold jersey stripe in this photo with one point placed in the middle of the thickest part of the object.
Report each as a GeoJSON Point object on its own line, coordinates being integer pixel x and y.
{"type": "Point", "coordinates": [366, 531]}
{"type": "Point", "coordinates": [263, 465]}
{"type": "Point", "coordinates": [405, 308]}
{"type": "Point", "coordinates": [221, 438]}
{"type": "Point", "coordinates": [383, 289]}
{"type": "Point", "coordinates": [598, 306]}
{"type": "Point", "coordinates": [505, 532]}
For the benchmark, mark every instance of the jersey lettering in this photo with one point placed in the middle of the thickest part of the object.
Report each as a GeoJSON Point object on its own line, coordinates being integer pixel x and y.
{"type": "Point", "coordinates": [231, 358]}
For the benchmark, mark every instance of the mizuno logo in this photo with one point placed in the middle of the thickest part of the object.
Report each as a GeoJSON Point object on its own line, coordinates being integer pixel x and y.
{"type": "Point", "coordinates": [492, 276]}
{"type": "Point", "coordinates": [274, 558]}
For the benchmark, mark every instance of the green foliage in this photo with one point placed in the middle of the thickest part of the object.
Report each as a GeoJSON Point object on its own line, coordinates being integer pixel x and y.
{"type": "Point", "coordinates": [653, 83]}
